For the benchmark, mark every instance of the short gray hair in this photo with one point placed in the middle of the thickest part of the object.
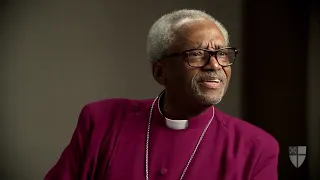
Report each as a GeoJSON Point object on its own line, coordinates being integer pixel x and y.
{"type": "Point", "coordinates": [161, 33]}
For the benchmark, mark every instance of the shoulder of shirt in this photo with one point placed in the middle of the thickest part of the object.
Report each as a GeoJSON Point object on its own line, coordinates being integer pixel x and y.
{"type": "Point", "coordinates": [108, 115]}
{"type": "Point", "coordinates": [250, 132]}
{"type": "Point", "coordinates": [119, 103]}
{"type": "Point", "coordinates": [100, 110]}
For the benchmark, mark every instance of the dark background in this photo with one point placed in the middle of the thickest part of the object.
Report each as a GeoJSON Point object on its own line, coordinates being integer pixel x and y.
{"type": "Point", "coordinates": [279, 80]}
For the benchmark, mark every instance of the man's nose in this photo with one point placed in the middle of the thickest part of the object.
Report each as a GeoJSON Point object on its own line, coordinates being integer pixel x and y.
{"type": "Point", "coordinates": [213, 64]}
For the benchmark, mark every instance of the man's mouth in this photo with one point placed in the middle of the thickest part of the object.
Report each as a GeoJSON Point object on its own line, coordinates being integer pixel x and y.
{"type": "Point", "coordinates": [212, 83]}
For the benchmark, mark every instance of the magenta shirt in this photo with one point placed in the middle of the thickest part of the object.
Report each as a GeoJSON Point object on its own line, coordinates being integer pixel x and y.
{"type": "Point", "coordinates": [109, 143]}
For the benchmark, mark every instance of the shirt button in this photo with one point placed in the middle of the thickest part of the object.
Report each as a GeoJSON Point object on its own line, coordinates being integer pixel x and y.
{"type": "Point", "coordinates": [163, 171]}
{"type": "Point", "coordinates": [136, 109]}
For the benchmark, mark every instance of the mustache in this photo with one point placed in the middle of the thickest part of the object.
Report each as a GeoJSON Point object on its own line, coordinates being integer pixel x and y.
{"type": "Point", "coordinates": [210, 76]}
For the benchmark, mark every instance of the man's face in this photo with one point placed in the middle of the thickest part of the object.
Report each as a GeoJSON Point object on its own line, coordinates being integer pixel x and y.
{"type": "Point", "coordinates": [206, 85]}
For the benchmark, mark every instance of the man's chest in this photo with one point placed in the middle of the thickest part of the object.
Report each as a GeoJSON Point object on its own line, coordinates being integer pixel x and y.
{"type": "Point", "coordinates": [217, 157]}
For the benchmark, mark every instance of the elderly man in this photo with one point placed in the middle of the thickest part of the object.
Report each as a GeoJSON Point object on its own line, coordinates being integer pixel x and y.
{"type": "Point", "coordinates": [180, 134]}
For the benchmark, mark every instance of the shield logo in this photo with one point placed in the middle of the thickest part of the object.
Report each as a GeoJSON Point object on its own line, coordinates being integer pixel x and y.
{"type": "Point", "coordinates": [297, 155]}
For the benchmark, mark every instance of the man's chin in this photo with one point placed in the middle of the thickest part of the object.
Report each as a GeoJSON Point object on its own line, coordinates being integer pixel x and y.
{"type": "Point", "coordinates": [208, 96]}
{"type": "Point", "coordinates": [209, 100]}
{"type": "Point", "coordinates": [211, 93]}
{"type": "Point", "coordinates": [212, 101]}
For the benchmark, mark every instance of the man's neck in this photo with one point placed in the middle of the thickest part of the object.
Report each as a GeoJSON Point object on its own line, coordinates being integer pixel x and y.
{"type": "Point", "coordinates": [174, 108]}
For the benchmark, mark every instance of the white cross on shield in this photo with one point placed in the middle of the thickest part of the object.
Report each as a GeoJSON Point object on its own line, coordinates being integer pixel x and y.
{"type": "Point", "coordinates": [297, 155]}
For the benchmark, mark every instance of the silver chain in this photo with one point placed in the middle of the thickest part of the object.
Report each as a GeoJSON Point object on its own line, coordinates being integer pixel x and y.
{"type": "Point", "coordinates": [193, 153]}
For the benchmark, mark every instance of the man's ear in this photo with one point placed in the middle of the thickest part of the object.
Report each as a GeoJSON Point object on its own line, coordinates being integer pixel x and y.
{"type": "Point", "coordinates": [158, 71]}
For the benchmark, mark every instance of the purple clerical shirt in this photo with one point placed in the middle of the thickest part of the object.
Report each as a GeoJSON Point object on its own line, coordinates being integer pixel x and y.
{"type": "Point", "coordinates": [109, 143]}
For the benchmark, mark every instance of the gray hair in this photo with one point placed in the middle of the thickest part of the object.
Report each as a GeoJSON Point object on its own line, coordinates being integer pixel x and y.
{"type": "Point", "coordinates": [161, 33]}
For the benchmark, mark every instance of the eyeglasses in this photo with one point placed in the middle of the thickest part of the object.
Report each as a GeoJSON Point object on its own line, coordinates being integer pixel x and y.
{"type": "Point", "coordinates": [201, 57]}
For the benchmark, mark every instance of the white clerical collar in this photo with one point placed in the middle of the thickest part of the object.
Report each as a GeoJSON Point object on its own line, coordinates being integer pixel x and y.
{"type": "Point", "coordinates": [176, 124]}
{"type": "Point", "coordinates": [171, 123]}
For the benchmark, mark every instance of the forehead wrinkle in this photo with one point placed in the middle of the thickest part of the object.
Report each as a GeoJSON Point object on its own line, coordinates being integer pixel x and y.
{"type": "Point", "coordinates": [215, 45]}
{"type": "Point", "coordinates": [197, 35]}
{"type": "Point", "coordinates": [212, 44]}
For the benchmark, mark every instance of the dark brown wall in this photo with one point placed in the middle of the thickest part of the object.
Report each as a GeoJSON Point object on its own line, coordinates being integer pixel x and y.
{"type": "Point", "coordinates": [275, 58]}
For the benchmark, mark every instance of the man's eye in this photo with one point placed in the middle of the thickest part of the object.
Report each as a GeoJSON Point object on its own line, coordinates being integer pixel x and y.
{"type": "Point", "coordinates": [196, 53]}
{"type": "Point", "coordinates": [222, 53]}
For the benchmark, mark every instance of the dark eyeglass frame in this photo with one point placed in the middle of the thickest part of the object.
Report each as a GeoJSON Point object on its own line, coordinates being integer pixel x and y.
{"type": "Point", "coordinates": [211, 53]}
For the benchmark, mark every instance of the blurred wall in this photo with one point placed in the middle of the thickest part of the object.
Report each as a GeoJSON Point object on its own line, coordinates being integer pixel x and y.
{"type": "Point", "coordinates": [58, 55]}
{"type": "Point", "coordinates": [313, 117]}
{"type": "Point", "coordinates": [281, 77]}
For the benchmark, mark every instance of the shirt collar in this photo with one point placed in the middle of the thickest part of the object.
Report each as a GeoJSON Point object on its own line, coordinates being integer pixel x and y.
{"type": "Point", "coordinates": [200, 120]}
